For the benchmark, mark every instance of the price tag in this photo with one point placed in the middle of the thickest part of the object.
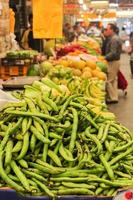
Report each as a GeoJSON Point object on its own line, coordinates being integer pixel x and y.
{"type": "Point", "coordinates": [124, 195]}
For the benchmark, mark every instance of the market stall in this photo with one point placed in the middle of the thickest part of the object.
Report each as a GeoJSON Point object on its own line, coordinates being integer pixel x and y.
{"type": "Point", "coordinates": [58, 138]}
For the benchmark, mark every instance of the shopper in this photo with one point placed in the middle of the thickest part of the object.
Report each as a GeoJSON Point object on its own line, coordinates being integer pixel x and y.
{"type": "Point", "coordinates": [68, 32]}
{"type": "Point", "coordinates": [131, 53]}
{"type": "Point", "coordinates": [104, 38]}
{"type": "Point", "coordinates": [112, 55]}
{"type": "Point", "coordinates": [28, 41]}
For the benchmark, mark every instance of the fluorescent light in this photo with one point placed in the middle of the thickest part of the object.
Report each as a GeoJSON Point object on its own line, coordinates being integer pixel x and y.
{"type": "Point", "coordinates": [84, 7]}
{"type": "Point", "coordinates": [99, 4]}
{"type": "Point", "coordinates": [81, 1]}
{"type": "Point", "coordinates": [113, 5]}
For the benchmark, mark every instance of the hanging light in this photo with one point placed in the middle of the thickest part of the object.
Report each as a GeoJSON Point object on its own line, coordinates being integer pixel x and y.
{"type": "Point", "coordinates": [84, 7]}
{"type": "Point", "coordinates": [81, 1]}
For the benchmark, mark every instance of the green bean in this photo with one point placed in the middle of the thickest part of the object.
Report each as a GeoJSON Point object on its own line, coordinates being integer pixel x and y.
{"type": "Point", "coordinates": [43, 168]}
{"type": "Point", "coordinates": [17, 147]}
{"type": "Point", "coordinates": [33, 142]}
{"type": "Point", "coordinates": [53, 142]}
{"type": "Point", "coordinates": [34, 175]}
{"type": "Point", "coordinates": [31, 105]}
{"type": "Point", "coordinates": [8, 155]}
{"type": "Point", "coordinates": [88, 117]}
{"type": "Point", "coordinates": [124, 147]}
{"type": "Point", "coordinates": [107, 145]}
{"type": "Point", "coordinates": [51, 84]}
{"type": "Point", "coordinates": [38, 127]}
{"type": "Point", "coordinates": [65, 105]}
{"type": "Point", "coordinates": [55, 158]}
{"type": "Point", "coordinates": [38, 135]}
{"type": "Point", "coordinates": [69, 179]}
{"type": "Point", "coordinates": [76, 185]}
{"type": "Point", "coordinates": [74, 130]}
{"type": "Point", "coordinates": [127, 167]}
{"type": "Point", "coordinates": [45, 148]}
{"type": "Point", "coordinates": [6, 178]}
{"type": "Point", "coordinates": [15, 105]}
{"type": "Point", "coordinates": [8, 169]}
{"type": "Point", "coordinates": [123, 174]}
{"type": "Point", "coordinates": [23, 163]}
{"type": "Point", "coordinates": [80, 151]}
{"type": "Point", "coordinates": [32, 114]}
{"type": "Point", "coordinates": [56, 149]}
{"type": "Point", "coordinates": [20, 175]}
{"type": "Point", "coordinates": [78, 105]}
{"type": "Point", "coordinates": [24, 125]}
{"type": "Point", "coordinates": [94, 138]}
{"type": "Point", "coordinates": [40, 162]}
{"type": "Point", "coordinates": [24, 147]}
{"type": "Point", "coordinates": [98, 191]}
{"type": "Point", "coordinates": [65, 154]}
{"type": "Point", "coordinates": [44, 187]}
{"type": "Point", "coordinates": [2, 134]}
{"type": "Point", "coordinates": [42, 105]}
{"type": "Point", "coordinates": [100, 131]}
{"type": "Point", "coordinates": [50, 102]}
{"type": "Point", "coordinates": [54, 135]}
{"type": "Point", "coordinates": [14, 178]}
{"type": "Point", "coordinates": [105, 133]}
{"type": "Point", "coordinates": [72, 174]}
{"type": "Point", "coordinates": [120, 156]}
{"type": "Point", "coordinates": [110, 137]}
{"type": "Point", "coordinates": [112, 183]}
{"type": "Point", "coordinates": [129, 133]}
{"type": "Point", "coordinates": [107, 166]}
{"type": "Point", "coordinates": [75, 191]}
{"type": "Point", "coordinates": [109, 152]}
{"type": "Point", "coordinates": [3, 127]}
{"type": "Point", "coordinates": [111, 191]}
{"type": "Point", "coordinates": [9, 132]}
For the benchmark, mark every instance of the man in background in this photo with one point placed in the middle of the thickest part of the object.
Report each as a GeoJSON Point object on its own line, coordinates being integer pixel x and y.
{"type": "Point", "coordinates": [28, 41]}
{"type": "Point", "coordinates": [112, 55]}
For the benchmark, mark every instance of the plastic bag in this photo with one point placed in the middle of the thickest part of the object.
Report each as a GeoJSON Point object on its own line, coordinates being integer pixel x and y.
{"type": "Point", "coordinates": [6, 98]}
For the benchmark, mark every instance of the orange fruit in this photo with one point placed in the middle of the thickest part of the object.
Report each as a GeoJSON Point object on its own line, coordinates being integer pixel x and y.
{"type": "Point", "coordinates": [102, 76]}
{"type": "Point", "coordinates": [91, 64]}
{"type": "Point", "coordinates": [87, 69]}
{"type": "Point", "coordinates": [87, 74]}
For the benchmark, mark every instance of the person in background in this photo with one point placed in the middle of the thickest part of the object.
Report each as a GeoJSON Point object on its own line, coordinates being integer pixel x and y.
{"type": "Point", "coordinates": [28, 41]}
{"type": "Point", "coordinates": [123, 34]}
{"type": "Point", "coordinates": [131, 53]}
{"type": "Point", "coordinates": [104, 40]}
{"type": "Point", "coordinates": [94, 30]}
{"type": "Point", "coordinates": [112, 55]}
{"type": "Point", "coordinates": [68, 32]}
{"type": "Point", "coordinates": [77, 31]}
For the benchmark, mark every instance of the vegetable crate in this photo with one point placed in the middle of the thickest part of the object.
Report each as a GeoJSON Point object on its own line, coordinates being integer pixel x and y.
{"type": "Point", "coordinates": [12, 195]}
{"type": "Point", "coordinates": [11, 71]}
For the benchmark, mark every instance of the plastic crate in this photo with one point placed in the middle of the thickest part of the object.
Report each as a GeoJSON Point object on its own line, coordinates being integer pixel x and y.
{"type": "Point", "coordinates": [10, 71]}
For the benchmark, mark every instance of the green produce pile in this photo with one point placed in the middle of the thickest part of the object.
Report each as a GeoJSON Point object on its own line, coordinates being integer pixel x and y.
{"type": "Point", "coordinates": [22, 54]}
{"type": "Point", "coordinates": [56, 145]}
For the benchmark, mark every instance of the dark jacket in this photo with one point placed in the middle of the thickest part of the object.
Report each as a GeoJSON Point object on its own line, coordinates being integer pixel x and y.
{"type": "Point", "coordinates": [104, 44]}
{"type": "Point", "coordinates": [113, 48]}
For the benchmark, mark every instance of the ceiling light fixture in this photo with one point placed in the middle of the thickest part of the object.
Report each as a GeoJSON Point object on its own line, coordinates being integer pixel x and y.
{"type": "Point", "coordinates": [84, 7]}
{"type": "Point", "coordinates": [81, 1]}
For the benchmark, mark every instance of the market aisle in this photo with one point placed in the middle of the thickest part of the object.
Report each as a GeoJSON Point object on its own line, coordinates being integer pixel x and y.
{"type": "Point", "coordinates": [124, 109]}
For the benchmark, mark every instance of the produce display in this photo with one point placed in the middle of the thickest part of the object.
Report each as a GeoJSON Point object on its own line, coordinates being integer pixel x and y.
{"type": "Point", "coordinates": [54, 144]}
{"type": "Point", "coordinates": [22, 54]}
